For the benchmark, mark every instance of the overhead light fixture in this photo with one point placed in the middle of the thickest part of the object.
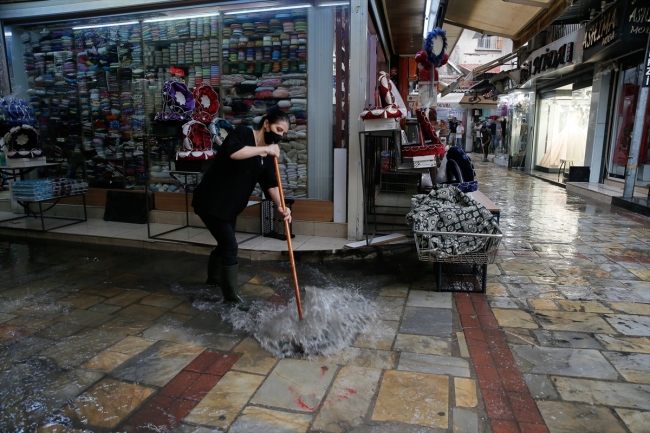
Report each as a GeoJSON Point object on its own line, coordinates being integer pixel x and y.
{"type": "Point", "coordinates": [7, 34]}
{"type": "Point", "coordinates": [324, 5]}
{"type": "Point", "coordinates": [250, 11]}
{"type": "Point", "coordinates": [93, 26]}
{"type": "Point", "coordinates": [183, 17]}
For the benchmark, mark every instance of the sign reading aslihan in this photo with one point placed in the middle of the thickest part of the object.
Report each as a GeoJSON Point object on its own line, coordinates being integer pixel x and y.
{"type": "Point", "coordinates": [638, 18]}
{"type": "Point", "coordinates": [602, 29]}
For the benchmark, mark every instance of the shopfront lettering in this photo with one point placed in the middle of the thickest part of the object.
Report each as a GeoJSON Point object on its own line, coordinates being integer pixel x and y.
{"type": "Point", "coordinates": [602, 28]}
{"type": "Point", "coordinates": [640, 30]}
{"type": "Point", "coordinates": [640, 15]}
{"type": "Point", "coordinates": [552, 59]}
{"type": "Point", "coordinates": [609, 38]}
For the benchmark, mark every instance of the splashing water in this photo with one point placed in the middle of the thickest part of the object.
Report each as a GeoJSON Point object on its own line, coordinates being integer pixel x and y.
{"type": "Point", "coordinates": [332, 318]}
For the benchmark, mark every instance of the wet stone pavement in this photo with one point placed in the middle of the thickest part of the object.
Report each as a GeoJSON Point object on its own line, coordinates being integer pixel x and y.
{"type": "Point", "coordinates": [109, 339]}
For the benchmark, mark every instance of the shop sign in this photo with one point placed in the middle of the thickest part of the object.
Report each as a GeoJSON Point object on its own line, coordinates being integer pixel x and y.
{"type": "Point", "coordinates": [646, 74]}
{"type": "Point", "coordinates": [623, 20]}
{"type": "Point", "coordinates": [554, 56]}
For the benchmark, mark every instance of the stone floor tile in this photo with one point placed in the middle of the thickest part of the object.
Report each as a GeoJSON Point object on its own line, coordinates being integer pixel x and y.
{"type": "Point", "coordinates": [81, 301]}
{"type": "Point", "coordinates": [643, 274]}
{"type": "Point", "coordinates": [398, 290]}
{"type": "Point", "coordinates": [256, 292]}
{"type": "Point", "coordinates": [561, 417]}
{"type": "Point", "coordinates": [108, 402]}
{"type": "Point", "coordinates": [576, 340]}
{"type": "Point", "coordinates": [541, 387]}
{"type": "Point", "coordinates": [624, 344]}
{"type": "Point", "coordinates": [426, 321]}
{"type": "Point", "coordinates": [156, 300]}
{"type": "Point", "coordinates": [527, 269]}
{"type": "Point", "coordinates": [104, 308]}
{"type": "Point", "coordinates": [257, 419]}
{"type": "Point", "coordinates": [80, 347]}
{"type": "Point", "coordinates": [85, 318]}
{"type": "Point", "coordinates": [379, 337]}
{"type": "Point", "coordinates": [413, 398]}
{"type": "Point", "coordinates": [127, 325]}
{"type": "Point", "coordinates": [465, 392]}
{"type": "Point", "coordinates": [23, 349]}
{"type": "Point", "coordinates": [514, 318]}
{"type": "Point", "coordinates": [634, 367]}
{"type": "Point", "coordinates": [630, 324]}
{"type": "Point", "coordinates": [632, 308]}
{"type": "Point", "coordinates": [296, 384]}
{"type": "Point", "coordinates": [32, 289]}
{"type": "Point", "coordinates": [186, 335]}
{"type": "Point", "coordinates": [462, 346]}
{"type": "Point", "coordinates": [361, 357]}
{"type": "Point", "coordinates": [173, 319]}
{"type": "Point", "coordinates": [131, 345]}
{"type": "Point", "coordinates": [143, 312]}
{"type": "Point", "coordinates": [433, 364]}
{"type": "Point", "coordinates": [583, 306]}
{"type": "Point", "coordinates": [127, 297]}
{"type": "Point", "coordinates": [628, 395]}
{"type": "Point", "coordinates": [255, 359]}
{"type": "Point", "coordinates": [5, 317]}
{"type": "Point", "coordinates": [563, 361]}
{"type": "Point", "coordinates": [465, 421]}
{"type": "Point", "coordinates": [224, 402]}
{"type": "Point", "coordinates": [419, 298]}
{"type": "Point", "coordinates": [495, 289]}
{"type": "Point", "coordinates": [186, 428]}
{"type": "Point", "coordinates": [503, 302]}
{"type": "Point", "coordinates": [60, 330]}
{"type": "Point", "coordinates": [390, 307]}
{"type": "Point", "coordinates": [348, 400]}
{"type": "Point", "coordinates": [519, 336]}
{"type": "Point", "coordinates": [424, 344]}
{"type": "Point", "coordinates": [635, 420]}
{"type": "Point", "coordinates": [157, 364]}
{"type": "Point", "coordinates": [106, 361]}
{"type": "Point", "coordinates": [576, 322]}
{"type": "Point", "coordinates": [543, 304]}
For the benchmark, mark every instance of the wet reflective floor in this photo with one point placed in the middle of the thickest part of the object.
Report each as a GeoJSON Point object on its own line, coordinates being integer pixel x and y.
{"type": "Point", "coordinates": [101, 339]}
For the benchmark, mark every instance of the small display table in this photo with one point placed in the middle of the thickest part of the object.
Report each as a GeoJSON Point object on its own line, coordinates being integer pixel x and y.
{"type": "Point", "coordinates": [18, 173]}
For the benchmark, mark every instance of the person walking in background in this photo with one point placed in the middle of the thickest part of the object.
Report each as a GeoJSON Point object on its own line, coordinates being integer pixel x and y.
{"type": "Point", "coordinates": [477, 137]}
{"type": "Point", "coordinates": [493, 133]}
{"type": "Point", "coordinates": [497, 140]}
{"type": "Point", "coordinates": [453, 126]}
{"type": "Point", "coordinates": [486, 138]}
{"type": "Point", "coordinates": [504, 134]}
{"type": "Point", "coordinates": [460, 130]}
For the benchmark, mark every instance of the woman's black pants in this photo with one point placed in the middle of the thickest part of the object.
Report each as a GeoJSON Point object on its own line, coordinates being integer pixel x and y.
{"type": "Point", "coordinates": [223, 232]}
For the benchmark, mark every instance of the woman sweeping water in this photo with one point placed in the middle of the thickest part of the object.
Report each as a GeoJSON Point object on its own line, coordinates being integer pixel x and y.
{"type": "Point", "coordinates": [244, 159]}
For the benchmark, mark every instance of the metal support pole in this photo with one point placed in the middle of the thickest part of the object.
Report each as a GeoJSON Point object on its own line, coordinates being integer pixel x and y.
{"type": "Point", "coordinates": [639, 125]}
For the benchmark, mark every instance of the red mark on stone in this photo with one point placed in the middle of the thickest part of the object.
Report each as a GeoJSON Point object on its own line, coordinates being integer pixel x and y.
{"type": "Point", "coordinates": [323, 370]}
{"type": "Point", "coordinates": [299, 401]}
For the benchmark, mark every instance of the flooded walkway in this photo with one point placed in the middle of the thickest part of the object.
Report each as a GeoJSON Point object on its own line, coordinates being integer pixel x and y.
{"type": "Point", "coordinates": [101, 339]}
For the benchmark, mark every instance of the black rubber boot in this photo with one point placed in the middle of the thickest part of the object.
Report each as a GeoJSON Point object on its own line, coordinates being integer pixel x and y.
{"type": "Point", "coordinates": [229, 287]}
{"type": "Point", "coordinates": [214, 270]}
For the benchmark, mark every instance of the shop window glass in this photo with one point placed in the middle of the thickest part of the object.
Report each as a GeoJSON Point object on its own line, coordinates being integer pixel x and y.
{"type": "Point", "coordinates": [562, 128]}
{"type": "Point", "coordinates": [96, 85]}
{"type": "Point", "coordinates": [623, 126]}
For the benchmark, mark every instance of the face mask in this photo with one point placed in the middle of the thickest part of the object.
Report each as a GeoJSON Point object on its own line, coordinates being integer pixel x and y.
{"type": "Point", "coordinates": [271, 137]}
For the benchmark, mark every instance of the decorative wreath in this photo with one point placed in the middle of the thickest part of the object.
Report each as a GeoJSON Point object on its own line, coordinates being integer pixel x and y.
{"type": "Point", "coordinates": [178, 100]}
{"type": "Point", "coordinates": [197, 142]}
{"type": "Point", "coordinates": [23, 142]}
{"type": "Point", "coordinates": [435, 45]}
{"type": "Point", "coordinates": [206, 103]}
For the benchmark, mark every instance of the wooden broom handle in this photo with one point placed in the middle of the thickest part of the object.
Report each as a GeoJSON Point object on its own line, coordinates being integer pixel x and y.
{"type": "Point", "coordinates": [287, 230]}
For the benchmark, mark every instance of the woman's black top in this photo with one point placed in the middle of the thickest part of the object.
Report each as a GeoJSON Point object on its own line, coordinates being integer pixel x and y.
{"type": "Point", "coordinates": [228, 184]}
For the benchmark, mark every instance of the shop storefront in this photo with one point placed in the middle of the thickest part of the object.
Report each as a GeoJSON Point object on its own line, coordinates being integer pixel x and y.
{"type": "Point", "coordinates": [562, 83]}
{"type": "Point", "coordinates": [108, 92]}
{"type": "Point", "coordinates": [514, 107]}
{"type": "Point", "coordinates": [615, 41]}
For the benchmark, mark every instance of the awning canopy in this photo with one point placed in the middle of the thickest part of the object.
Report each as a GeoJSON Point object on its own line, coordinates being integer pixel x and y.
{"type": "Point", "coordinates": [518, 20]}
{"type": "Point", "coordinates": [493, 66]}
{"type": "Point", "coordinates": [483, 103]}
{"type": "Point", "coordinates": [451, 100]}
